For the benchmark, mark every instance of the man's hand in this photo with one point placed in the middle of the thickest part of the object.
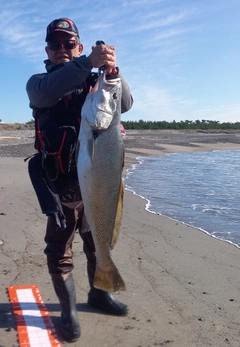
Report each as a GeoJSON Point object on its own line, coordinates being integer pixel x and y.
{"type": "Point", "coordinates": [103, 55]}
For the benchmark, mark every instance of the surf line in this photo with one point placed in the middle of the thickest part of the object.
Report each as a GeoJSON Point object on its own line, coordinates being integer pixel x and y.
{"type": "Point", "coordinates": [34, 324]}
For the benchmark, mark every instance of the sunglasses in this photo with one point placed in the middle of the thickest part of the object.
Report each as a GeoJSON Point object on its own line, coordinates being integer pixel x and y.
{"type": "Point", "coordinates": [67, 44]}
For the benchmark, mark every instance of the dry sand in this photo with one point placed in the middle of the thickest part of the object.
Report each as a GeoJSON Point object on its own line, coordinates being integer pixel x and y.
{"type": "Point", "coordinates": [182, 285]}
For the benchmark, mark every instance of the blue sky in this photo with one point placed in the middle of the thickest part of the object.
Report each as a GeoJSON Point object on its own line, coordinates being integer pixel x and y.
{"type": "Point", "coordinates": [181, 58]}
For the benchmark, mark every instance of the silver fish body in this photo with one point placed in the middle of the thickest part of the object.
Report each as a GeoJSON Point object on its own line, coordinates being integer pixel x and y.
{"type": "Point", "coordinates": [99, 166]}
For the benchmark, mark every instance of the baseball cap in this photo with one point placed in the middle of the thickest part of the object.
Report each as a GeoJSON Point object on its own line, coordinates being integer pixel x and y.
{"type": "Point", "coordinates": [62, 24]}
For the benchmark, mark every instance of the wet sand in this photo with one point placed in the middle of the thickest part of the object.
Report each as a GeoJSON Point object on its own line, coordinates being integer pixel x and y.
{"type": "Point", "coordinates": [182, 285]}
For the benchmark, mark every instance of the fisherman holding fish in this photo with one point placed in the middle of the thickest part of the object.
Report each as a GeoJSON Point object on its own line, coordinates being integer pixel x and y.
{"type": "Point", "coordinates": [56, 98]}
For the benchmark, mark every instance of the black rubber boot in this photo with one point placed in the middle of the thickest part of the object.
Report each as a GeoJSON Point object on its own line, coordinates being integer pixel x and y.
{"type": "Point", "coordinates": [105, 301]}
{"type": "Point", "coordinates": [65, 290]}
{"type": "Point", "coordinates": [96, 297]}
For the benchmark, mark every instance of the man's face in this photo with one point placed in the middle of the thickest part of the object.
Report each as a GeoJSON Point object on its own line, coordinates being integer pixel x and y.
{"type": "Point", "coordinates": [62, 51]}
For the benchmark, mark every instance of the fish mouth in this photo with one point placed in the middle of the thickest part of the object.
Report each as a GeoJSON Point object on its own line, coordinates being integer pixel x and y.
{"type": "Point", "coordinates": [95, 134]}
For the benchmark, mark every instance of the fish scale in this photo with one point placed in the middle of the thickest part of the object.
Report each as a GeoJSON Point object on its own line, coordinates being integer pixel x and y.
{"type": "Point", "coordinates": [99, 164]}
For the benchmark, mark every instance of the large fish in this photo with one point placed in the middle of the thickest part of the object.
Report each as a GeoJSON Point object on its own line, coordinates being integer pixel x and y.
{"type": "Point", "coordinates": [99, 165]}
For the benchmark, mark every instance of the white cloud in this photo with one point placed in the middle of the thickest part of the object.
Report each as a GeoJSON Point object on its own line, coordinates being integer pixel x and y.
{"type": "Point", "coordinates": [154, 103]}
{"type": "Point", "coordinates": [223, 113]}
{"type": "Point", "coordinates": [148, 21]}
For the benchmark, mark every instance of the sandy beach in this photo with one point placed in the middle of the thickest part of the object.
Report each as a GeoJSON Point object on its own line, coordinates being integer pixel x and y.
{"type": "Point", "coordinates": [182, 285]}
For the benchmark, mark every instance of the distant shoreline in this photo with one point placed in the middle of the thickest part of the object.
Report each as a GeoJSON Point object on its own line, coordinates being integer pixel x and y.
{"type": "Point", "coordinates": [156, 143]}
{"type": "Point", "coordinates": [136, 142]}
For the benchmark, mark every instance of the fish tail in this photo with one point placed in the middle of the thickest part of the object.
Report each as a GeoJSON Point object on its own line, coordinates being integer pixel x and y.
{"type": "Point", "coordinates": [109, 281]}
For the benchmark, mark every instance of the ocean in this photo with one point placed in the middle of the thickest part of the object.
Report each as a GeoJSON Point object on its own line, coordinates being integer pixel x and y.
{"type": "Point", "coordinates": [198, 189]}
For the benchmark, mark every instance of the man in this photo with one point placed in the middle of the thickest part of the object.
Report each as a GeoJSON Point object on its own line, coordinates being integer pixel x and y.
{"type": "Point", "coordinates": [60, 94]}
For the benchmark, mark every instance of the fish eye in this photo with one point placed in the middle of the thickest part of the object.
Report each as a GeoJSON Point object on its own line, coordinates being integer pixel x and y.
{"type": "Point", "coordinates": [114, 95]}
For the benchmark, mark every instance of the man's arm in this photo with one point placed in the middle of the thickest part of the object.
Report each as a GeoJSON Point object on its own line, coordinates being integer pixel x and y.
{"type": "Point", "coordinates": [127, 99]}
{"type": "Point", "coordinates": [45, 90]}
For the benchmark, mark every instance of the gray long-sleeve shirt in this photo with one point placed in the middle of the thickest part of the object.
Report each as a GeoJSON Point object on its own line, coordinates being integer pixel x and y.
{"type": "Point", "coordinates": [46, 89]}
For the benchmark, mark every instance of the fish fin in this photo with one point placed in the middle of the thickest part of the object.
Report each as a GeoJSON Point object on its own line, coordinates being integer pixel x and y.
{"type": "Point", "coordinates": [118, 218]}
{"type": "Point", "coordinates": [90, 148]}
{"type": "Point", "coordinates": [109, 281]}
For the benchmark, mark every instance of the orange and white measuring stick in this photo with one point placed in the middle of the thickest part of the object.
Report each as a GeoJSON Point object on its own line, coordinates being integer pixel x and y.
{"type": "Point", "coordinates": [34, 324]}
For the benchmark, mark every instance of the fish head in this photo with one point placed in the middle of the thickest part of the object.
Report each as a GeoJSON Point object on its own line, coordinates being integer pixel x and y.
{"type": "Point", "coordinates": [107, 106]}
{"type": "Point", "coordinates": [103, 103]}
